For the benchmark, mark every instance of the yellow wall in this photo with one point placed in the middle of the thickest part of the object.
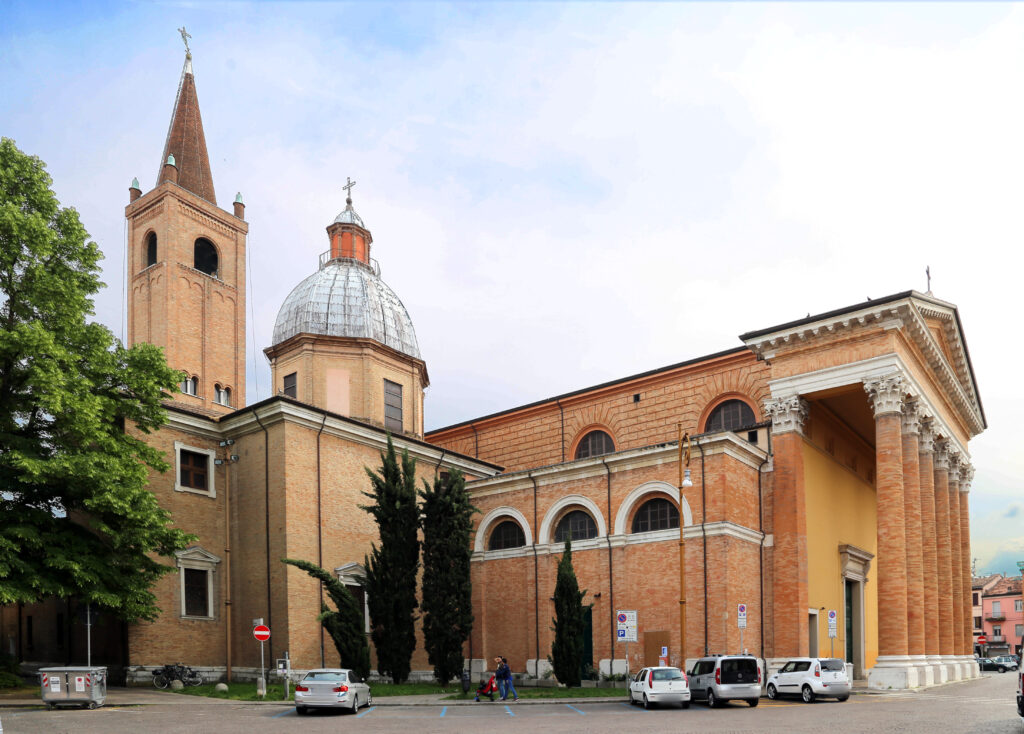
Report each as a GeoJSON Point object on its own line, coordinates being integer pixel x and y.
{"type": "Point", "coordinates": [840, 510]}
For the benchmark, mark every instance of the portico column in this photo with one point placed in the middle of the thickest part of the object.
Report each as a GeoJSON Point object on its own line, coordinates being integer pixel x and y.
{"type": "Point", "coordinates": [926, 443]}
{"type": "Point", "coordinates": [789, 564]}
{"type": "Point", "coordinates": [956, 582]}
{"type": "Point", "coordinates": [893, 668]}
{"type": "Point", "coordinates": [965, 572]}
{"type": "Point", "coordinates": [915, 564]}
{"type": "Point", "coordinates": [945, 587]}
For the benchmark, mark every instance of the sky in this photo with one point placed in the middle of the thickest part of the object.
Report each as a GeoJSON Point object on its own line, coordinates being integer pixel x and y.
{"type": "Point", "coordinates": [564, 194]}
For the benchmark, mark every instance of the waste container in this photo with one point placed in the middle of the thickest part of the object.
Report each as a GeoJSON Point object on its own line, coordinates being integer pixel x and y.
{"type": "Point", "coordinates": [77, 686]}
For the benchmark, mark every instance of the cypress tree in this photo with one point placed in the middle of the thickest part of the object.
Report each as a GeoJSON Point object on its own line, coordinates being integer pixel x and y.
{"type": "Point", "coordinates": [567, 648]}
{"type": "Point", "coordinates": [345, 623]}
{"type": "Point", "coordinates": [391, 567]}
{"type": "Point", "coordinates": [447, 592]}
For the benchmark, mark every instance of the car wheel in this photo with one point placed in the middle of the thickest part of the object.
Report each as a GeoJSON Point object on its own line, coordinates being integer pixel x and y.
{"type": "Point", "coordinates": [807, 694]}
{"type": "Point", "coordinates": [842, 698]}
{"type": "Point", "coordinates": [685, 704]}
{"type": "Point", "coordinates": [355, 704]}
{"type": "Point", "coordinates": [1001, 669]}
{"type": "Point", "coordinates": [647, 703]}
{"type": "Point", "coordinates": [772, 692]}
{"type": "Point", "coordinates": [301, 710]}
{"type": "Point", "coordinates": [712, 701]}
{"type": "Point", "coordinates": [752, 702]}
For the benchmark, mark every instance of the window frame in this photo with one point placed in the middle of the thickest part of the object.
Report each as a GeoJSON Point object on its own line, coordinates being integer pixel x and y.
{"type": "Point", "coordinates": [572, 511]}
{"type": "Point", "coordinates": [222, 395]}
{"type": "Point", "coordinates": [151, 251]}
{"type": "Point", "coordinates": [216, 256]}
{"type": "Point", "coordinates": [729, 402]}
{"type": "Point", "coordinates": [197, 559]}
{"type": "Point", "coordinates": [211, 454]}
{"type": "Point", "coordinates": [646, 503]}
{"type": "Point", "coordinates": [586, 442]}
{"type": "Point", "coordinates": [500, 524]}
{"type": "Point", "coordinates": [294, 386]}
{"type": "Point", "coordinates": [390, 422]}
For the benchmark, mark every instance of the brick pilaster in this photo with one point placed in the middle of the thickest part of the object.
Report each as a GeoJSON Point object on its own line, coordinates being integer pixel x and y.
{"type": "Point", "coordinates": [926, 475]}
{"type": "Point", "coordinates": [965, 561]}
{"type": "Point", "coordinates": [789, 560]}
{"type": "Point", "coordinates": [912, 516]}
{"type": "Point", "coordinates": [945, 588]}
{"type": "Point", "coordinates": [886, 395]}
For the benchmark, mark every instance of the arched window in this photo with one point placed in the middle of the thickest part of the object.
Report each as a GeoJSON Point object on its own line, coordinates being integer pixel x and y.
{"type": "Point", "coordinates": [508, 534]}
{"type": "Point", "coordinates": [656, 514]}
{"type": "Point", "coordinates": [151, 249]}
{"type": "Point", "coordinates": [222, 395]}
{"type": "Point", "coordinates": [576, 525]}
{"type": "Point", "coordinates": [205, 257]}
{"type": "Point", "coordinates": [190, 385]}
{"type": "Point", "coordinates": [731, 415]}
{"type": "Point", "coordinates": [594, 443]}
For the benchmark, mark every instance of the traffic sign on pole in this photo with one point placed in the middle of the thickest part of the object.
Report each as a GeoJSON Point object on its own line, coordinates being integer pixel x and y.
{"type": "Point", "coordinates": [741, 615]}
{"type": "Point", "coordinates": [261, 632]}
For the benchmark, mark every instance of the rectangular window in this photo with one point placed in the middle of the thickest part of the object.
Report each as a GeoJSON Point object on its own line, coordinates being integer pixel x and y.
{"type": "Point", "coordinates": [360, 596]}
{"type": "Point", "coordinates": [291, 385]}
{"type": "Point", "coordinates": [197, 596]}
{"type": "Point", "coordinates": [1018, 605]}
{"type": "Point", "coordinates": [997, 608]}
{"type": "Point", "coordinates": [392, 406]}
{"type": "Point", "coordinates": [977, 623]}
{"type": "Point", "coordinates": [193, 469]}
{"type": "Point", "coordinates": [976, 602]}
{"type": "Point", "coordinates": [1019, 630]}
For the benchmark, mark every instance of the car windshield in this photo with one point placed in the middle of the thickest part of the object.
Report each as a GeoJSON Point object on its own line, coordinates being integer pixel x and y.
{"type": "Point", "coordinates": [833, 664]}
{"type": "Point", "coordinates": [326, 675]}
{"type": "Point", "coordinates": [668, 674]}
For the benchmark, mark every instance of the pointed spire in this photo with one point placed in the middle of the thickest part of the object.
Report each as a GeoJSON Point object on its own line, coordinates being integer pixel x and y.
{"type": "Point", "coordinates": [186, 141]}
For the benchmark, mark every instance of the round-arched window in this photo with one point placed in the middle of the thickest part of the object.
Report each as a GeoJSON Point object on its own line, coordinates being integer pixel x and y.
{"type": "Point", "coordinates": [656, 514]}
{"type": "Point", "coordinates": [151, 249]}
{"type": "Point", "coordinates": [205, 257]}
{"type": "Point", "coordinates": [594, 443]}
{"type": "Point", "coordinates": [508, 534]}
{"type": "Point", "coordinates": [575, 525]}
{"type": "Point", "coordinates": [732, 415]}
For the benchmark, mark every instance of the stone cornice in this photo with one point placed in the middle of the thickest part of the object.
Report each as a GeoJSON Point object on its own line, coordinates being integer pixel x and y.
{"type": "Point", "coordinates": [907, 314]}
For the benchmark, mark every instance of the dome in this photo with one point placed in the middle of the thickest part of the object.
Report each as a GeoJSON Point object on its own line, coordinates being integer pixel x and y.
{"type": "Point", "coordinates": [349, 216]}
{"type": "Point", "coordinates": [347, 298]}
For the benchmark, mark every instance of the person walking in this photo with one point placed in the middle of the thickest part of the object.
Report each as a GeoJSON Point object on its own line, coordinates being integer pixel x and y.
{"type": "Point", "coordinates": [499, 676]}
{"type": "Point", "coordinates": [508, 686]}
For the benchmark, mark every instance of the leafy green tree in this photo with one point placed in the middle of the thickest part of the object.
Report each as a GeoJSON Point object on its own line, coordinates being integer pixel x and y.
{"type": "Point", "coordinates": [446, 517]}
{"type": "Point", "coordinates": [345, 623]}
{"type": "Point", "coordinates": [76, 516]}
{"type": "Point", "coordinates": [567, 648]}
{"type": "Point", "coordinates": [391, 567]}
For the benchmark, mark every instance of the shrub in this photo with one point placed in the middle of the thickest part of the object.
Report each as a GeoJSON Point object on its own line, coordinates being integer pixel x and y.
{"type": "Point", "coordinates": [10, 680]}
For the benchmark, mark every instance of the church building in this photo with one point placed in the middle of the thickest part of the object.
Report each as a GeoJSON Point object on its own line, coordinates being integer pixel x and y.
{"type": "Point", "coordinates": [804, 492]}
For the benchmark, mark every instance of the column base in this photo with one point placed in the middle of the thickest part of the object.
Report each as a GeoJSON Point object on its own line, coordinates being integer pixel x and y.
{"type": "Point", "coordinates": [893, 672]}
{"type": "Point", "coordinates": [952, 663]}
{"type": "Point", "coordinates": [970, 667]}
{"type": "Point", "coordinates": [939, 672]}
{"type": "Point", "coordinates": [925, 672]}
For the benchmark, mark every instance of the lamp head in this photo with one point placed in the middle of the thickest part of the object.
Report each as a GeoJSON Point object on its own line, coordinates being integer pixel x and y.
{"type": "Point", "coordinates": [687, 482]}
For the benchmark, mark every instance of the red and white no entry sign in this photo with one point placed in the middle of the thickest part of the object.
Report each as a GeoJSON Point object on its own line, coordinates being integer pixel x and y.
{"type": "Point", "coordinates": [261, 632]}
{"type": "Point", "coordinates": [982, 639]}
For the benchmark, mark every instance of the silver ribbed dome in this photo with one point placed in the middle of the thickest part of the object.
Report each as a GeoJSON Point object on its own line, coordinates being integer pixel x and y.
{"type": "Point", "coordinates": [347, 298]}
{"type": "Point", "coordinates": [349, 216]}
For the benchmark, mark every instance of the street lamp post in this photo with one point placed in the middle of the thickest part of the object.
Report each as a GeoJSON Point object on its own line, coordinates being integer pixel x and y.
{"type": "Point", "coordinates": [684, 481]}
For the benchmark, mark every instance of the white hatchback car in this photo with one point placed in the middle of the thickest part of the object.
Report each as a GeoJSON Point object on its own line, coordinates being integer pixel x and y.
{"type": "Point", "coordinates": [811, 678]}
{"type": "Point", "coordinates": [331, 688]}
{"type": "Point", "coordinates": [653, 686]}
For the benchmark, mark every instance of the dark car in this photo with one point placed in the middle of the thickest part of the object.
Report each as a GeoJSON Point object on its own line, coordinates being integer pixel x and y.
{"type": "Point", "coordinates": [990, 664]}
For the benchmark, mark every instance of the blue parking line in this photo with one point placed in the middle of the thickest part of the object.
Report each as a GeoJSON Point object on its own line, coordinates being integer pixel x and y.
{"type": "Point", "coordinates": [634, 708]}
{"type": "Point", "coordinates": [576, 710]}
{"type": "Point", "coordinates": [359, 716]}
{"type": "Point", "coordinates": [444, 710]}
{"type": "Point", "coordinates": [509, 711]}
{"type": "Point", "coordinates": [283, 713]}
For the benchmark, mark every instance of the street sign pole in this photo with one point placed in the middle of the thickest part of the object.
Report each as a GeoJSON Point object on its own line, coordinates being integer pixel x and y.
{"type": "Point", "coordinates": [741, 622]}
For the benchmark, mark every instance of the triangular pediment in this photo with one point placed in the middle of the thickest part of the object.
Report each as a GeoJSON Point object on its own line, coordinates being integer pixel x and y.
{"type": "Point", "coordinates": [196, 553]}
{"type": "Point", "coordinates": [352, 574]}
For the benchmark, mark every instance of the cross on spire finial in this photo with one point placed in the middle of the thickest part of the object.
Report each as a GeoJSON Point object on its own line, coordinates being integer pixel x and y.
{"type": "Point", "coordinates": [348, 190]}
{"type": "Point", "coordinates": [928, 273]}
{"type": "Point", "coordinates": [185, 35]}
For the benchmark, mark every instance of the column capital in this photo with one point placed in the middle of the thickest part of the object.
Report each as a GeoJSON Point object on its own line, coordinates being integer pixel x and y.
{"type": "Point", "coordinates": [941, 455]}
{"type": "Point", "coordinates": [885, 393]}
{"type": "Point", "coordinates": [926, 435]}
{"type": "Point", "coordinates": [956, 466]}
{"type": "Point", "coordinates": [787, 414]}
{"type": "Point", "coordinates": [966, 478]}
{"type": "Point", "coordinates": [911, 417]}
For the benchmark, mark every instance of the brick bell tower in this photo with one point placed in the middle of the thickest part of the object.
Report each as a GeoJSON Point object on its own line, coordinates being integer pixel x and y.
{"type": "Point", "coordinates": [186, 266]}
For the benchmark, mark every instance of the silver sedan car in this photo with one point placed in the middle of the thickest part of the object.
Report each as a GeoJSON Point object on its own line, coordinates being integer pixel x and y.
{"type": "Point", "coordinates": [331, 688]}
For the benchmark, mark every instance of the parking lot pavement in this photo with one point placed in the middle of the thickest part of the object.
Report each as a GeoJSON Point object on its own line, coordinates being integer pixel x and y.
{"type": "Point", "coordinates": [984, 706]}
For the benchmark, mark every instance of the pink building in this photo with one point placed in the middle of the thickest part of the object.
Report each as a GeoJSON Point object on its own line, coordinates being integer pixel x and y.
{"type": "Point", "coordinates": [1003, 617]}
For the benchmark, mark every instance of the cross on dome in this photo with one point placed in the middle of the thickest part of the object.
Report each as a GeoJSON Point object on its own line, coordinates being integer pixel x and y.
{"type": "Point", "coordinates": [348, 190]}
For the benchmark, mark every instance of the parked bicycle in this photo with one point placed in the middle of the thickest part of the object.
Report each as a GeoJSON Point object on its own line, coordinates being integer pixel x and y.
{"type": "Point", "coordinates": [162, 677]}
